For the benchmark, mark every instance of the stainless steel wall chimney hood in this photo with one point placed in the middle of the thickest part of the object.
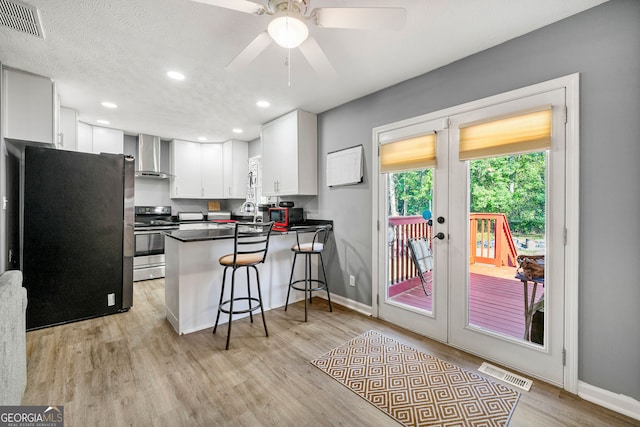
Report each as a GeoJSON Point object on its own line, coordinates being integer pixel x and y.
{"type": "Point", "coordinates": [149, 157]}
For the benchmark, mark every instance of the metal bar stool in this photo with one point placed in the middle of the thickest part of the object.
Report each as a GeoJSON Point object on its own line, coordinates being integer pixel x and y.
{"type": "Point", "coordinates": [250, 245]}
{"type": "Point", "coordinates": [315, 247]}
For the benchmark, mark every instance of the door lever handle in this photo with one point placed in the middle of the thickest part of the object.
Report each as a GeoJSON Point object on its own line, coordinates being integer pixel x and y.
{"type": "Point", "coordinates": [440, 236]}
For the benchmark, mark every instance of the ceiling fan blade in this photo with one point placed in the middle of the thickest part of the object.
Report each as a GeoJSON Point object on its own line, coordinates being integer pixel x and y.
{"type": "Point", "coordinates": [249, 53]}
{"type": "Point", "coordinates": [361, 18]}
{"type": "Point", "coordinates": [239, 5]}
{"type": "Point", "coordinates": [316, 57]}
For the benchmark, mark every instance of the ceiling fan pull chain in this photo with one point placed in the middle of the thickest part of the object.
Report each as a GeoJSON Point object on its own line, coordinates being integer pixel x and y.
{"type": "Point", "coordinates": [289, 67]}
{"type": "Point", "coordinates": [289, 50]}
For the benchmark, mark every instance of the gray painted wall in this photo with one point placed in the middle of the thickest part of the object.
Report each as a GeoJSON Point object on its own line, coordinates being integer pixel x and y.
{"type": "Point", "coordinates": [603, 45]}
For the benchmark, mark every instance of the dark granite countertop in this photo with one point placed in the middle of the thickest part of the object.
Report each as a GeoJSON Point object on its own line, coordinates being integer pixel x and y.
{"type": "Point", "coordinates": [227, 232]}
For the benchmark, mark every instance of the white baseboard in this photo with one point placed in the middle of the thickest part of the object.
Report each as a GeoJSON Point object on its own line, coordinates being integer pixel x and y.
{"type": "Point", "coordinates": [349, 303]}
{"type": "Point", "coordinates": [616, 402]}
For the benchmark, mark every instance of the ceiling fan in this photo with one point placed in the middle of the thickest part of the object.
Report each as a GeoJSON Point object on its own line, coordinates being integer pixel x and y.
{"type": "Point", "coordinates": [289, 30]}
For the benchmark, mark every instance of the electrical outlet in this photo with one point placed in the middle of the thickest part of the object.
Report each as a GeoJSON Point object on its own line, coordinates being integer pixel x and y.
{"type": "Point", "coordinates": [352, 280]}
{"type": "Point", "coordinates": [111, 299]}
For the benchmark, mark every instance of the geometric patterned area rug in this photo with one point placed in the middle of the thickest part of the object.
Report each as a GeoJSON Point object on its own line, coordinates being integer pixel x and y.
{"type": "Point", "coordinates": [415, 388]}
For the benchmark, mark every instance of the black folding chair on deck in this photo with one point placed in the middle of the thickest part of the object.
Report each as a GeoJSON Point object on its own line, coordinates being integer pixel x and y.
{"type": "Point", "coordinates": [422, 258]}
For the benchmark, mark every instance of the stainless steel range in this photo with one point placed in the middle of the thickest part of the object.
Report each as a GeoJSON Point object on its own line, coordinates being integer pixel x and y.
{"type": "Point", "coordinates": [150, 223]}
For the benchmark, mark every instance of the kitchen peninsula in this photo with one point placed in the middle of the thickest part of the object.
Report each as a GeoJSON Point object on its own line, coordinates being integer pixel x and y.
{"type": "Point", "coordinates": [193, 276]}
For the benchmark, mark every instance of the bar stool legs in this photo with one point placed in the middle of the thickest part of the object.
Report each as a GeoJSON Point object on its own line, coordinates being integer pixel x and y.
{"type": "Point", "coordinates": [250, 245]}
{"type": "Point", "coordinates": [222, 304]}
{"type": "Point", "coordinates": [326, 285]}
{"type": "Point", "coordinates": [308, 280]}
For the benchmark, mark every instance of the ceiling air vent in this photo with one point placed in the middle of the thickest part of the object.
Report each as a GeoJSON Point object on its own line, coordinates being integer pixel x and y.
{"type": "Point", "coordinates": [21, 17]}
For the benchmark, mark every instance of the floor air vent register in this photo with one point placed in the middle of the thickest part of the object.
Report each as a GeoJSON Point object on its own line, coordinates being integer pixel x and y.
{"type": "Point", "coordinates": [20, 17]}
{"type": "Point", "coordinates": [506, 376]}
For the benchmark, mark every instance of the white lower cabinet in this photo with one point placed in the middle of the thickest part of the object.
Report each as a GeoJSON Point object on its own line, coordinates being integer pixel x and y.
{"type": "Point", "coordinates": [197, 170]}
{"type": "Point", "coordinates": [192, 281]}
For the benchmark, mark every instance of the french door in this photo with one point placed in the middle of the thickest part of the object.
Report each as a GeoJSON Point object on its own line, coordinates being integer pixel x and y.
{"type": "Point", "coordinates": [450, 311]}
{"type": "Point", "coordinates": [543, 360]}
{"type": "Point", "coordinates": [430, 318]}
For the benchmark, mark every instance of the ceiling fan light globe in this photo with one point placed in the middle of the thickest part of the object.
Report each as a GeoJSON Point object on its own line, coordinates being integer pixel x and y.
{"type": "Point", "coordinates": [287, 31]}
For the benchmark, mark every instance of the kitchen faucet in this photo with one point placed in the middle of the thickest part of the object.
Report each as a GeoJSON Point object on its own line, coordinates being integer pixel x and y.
{"type": "Point", "coordinates": [243, 208]}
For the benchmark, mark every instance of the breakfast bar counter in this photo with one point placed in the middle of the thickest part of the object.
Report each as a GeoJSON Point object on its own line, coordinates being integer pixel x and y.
{"type": "Point", "coordinates": [193, 275]}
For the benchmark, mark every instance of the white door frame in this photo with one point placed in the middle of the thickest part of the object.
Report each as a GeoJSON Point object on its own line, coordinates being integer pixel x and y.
{"type": "Point", "coordinates": [571, 84]}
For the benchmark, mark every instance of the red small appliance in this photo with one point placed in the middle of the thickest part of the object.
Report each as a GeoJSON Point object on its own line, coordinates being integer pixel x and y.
{"type": "Point", "coordinates": [283, 218]}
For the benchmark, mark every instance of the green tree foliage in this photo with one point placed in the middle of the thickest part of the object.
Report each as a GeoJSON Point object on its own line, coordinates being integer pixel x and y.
{"type": "Point", "coordinates": [413, 191]}
{"type": "Point", "coordinates": [513, 185]}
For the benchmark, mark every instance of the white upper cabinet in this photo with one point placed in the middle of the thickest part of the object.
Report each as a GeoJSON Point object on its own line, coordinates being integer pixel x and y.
{"type": "Point", "coordinates": [289, 155]}
{"type": "Point", "coordinates": [68, 129]}
{"type": "Point", "coordinates": [96, 139]}
{"type": "Point", "coordinates": [107, 140]}
{"type": "Point", "coordinates": [212, 165]}
{"type": "Point", "coordinates": [236, 169]}
{"type": "Point", "coordinates": [84, 141]}
{"type": "Point", "coordinates": [186, 168]}
{"type": "Point", "coordinates": [208, 170]}
{"type": "Point", "coordinates": [28, 107]}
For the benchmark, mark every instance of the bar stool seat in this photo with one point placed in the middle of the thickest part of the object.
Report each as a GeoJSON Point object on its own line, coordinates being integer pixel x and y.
{"type": "Point", "coordinates": [251, 242]}
{"type": "Point", "coordinates": [315, 247]}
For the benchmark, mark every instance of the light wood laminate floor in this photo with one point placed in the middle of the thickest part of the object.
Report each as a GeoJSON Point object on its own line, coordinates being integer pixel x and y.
{"type": "Point", "coordinates": [132, 369]}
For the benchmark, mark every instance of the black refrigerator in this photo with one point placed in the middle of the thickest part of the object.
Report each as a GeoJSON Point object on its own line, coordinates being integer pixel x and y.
{"type": "Point", "coordinates": [77, 235]}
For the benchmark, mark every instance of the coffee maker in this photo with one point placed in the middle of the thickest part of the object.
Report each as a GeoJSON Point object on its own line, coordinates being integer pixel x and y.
{"type": "Point", "coordinates": [263, 212]}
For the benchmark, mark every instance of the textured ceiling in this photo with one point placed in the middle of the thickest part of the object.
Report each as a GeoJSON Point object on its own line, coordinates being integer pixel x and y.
{"type": "Point", "coordinates": [120, 51]}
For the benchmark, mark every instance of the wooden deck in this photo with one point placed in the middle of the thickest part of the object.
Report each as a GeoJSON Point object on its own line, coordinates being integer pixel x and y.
{"type": "Point", "coordinates": [496, 299]}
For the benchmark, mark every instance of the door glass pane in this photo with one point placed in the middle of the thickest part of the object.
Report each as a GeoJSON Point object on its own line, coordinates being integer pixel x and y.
{"type": "Point", "coordinates": [409, 205]}
{"type": "Point", "coordinates": [507, 222]}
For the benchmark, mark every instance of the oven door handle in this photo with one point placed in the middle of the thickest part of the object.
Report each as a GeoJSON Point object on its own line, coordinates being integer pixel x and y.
{"type": "Point", "coordinates": [147, 232]}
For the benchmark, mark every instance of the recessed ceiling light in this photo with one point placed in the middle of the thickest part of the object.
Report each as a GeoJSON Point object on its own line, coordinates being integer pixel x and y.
{"type": "Point", "coordinates": [109, 104]}
{"type": "Point", "coordinates": [103, 122]}
{"type": "Point", "coordinates": [237, 130]}
{"type": "Point", "coordinates": [263, 104]}
{"type": "Point", "coordinates": [202, 138]}
{"type": "Point", "coordinates": [175, 75]}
